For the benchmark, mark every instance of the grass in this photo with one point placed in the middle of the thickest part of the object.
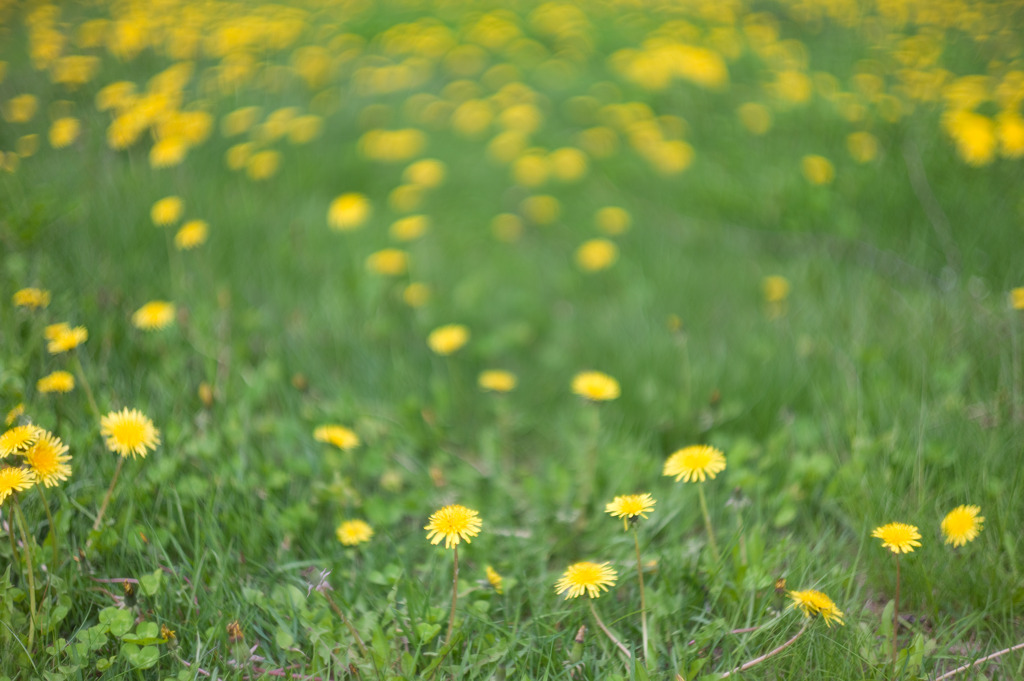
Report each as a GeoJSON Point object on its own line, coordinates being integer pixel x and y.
{"type": "Point", "coordinates": [886, 386]}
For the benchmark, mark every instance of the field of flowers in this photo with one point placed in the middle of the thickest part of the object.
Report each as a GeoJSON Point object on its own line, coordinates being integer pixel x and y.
{"type": "Point", "coordinates": [415, 339]}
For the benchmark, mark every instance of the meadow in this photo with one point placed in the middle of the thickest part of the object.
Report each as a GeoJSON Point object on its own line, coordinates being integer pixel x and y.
{"type": "Point", "coordinates": [422, 339]}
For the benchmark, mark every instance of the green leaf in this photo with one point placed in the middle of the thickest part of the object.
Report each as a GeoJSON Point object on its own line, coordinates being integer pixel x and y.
{"type": "Point", "coordinates": [150, 584]}
{"type": "Point", "coordinates": [140, 658]}
{"type": "Point", "coordinates": [427, 631]}
{"type": "Point", "coordinates": [284, 639]}
{"type": "Point", "coordinates": [119, 622]}
{"type": "Point", "coordinates": [94, 637]}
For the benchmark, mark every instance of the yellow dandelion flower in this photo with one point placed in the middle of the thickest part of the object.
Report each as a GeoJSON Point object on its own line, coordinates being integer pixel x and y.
{"type": "Point", "coordinates": [15, 480]}
{"type": "Point", "coordinates": [35, 298]}
{"type": "Point", "coordinates": [594, 255]}
{"type": "Point", "coordinates": [541, 209]}
{"type": "Point", "coordinates": [391, 262]}
{"type": "Point", "coordinates": [193, 233]}
{"type": "Point", "coordinates": [507, 227]}
{"type": "Point", "coordinates": [863, 146]}
{"type": "Point", "coordinates": [27, 145]}
{"type": "Point", "coordinates": [66, 338]}
{"type": "Point", "coordinates": [444, 340]}
{"type": "Point", "coordinates": [813, 603]}
{"type": "Point", "coordinates": [20, 109]}
{"type": "Point", "coordinates": [339, 436]}
{"type": "Point", "coordinates": [817, 169]}
{"type": "Point", "coordinates": [613, 220]}
{"type": "Point", "coordinates": [586, 577]}
{"type": "Point", "coordinates": [56, 382]}
{"type": "Point", "coordinates": [416, 294]}
{"type": "Point", "coordinates": [453, 523]}
{"type": "Point", "coordinates": [695, 463]}
{"type": "Point", "coordinates": [427, 173]}
{"type": "Point", "coordinates": [898, 537]}
{"type": "Point", "coordinates": [263, 165]}
{"type": "Point", "coordinates": [494, 579]}
{"type": "Point", "coordinates": [154, 315]}
{"type": "Point", "coordinates": [775, 289]}
{"type": "Point", "coordinates": [14, 414]}
{"type": "Point", "coordinates": [1017, 298]}
{"type": "Point", "coordinates": [129, 431]}
{"type": "Point", "coordinates": [962, 525]}
{"type": "Point", "coordinates": [409, 228]}
{"type": "Point", "coordinates": [349, 211]}
{"type": "Point", "coordinates": [64, 131]}
{"type": "Point", "coordinates": [595, 386]}
{"type": "Point", "coordinates": [18, 439]}
{"type": "Point", "coordinates": [167, 211]}
{"type": "Point", "coordinates": [48, 458]}
{"type": "Point", "coordinates": [497, 380]}
{"type": "Point", "coordinates": [168, 152]}
{"type": "Point", "coordinates": [354, 532]}
{"type": "Point", "coordinates": [630, 506]}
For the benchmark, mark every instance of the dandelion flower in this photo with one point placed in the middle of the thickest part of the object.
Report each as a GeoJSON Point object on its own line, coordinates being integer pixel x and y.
{"type": "Point", "coordinates": [18, 439]}
{"type": "Point", "coordinates": [339, 436]}
{"type": "Point", "coordinates": [595, 386]}
{"type": "Point", "coordinates": [129, 431]}
{"type": "Point", "coordinates": [409, 228]}
{"type": "Point", "coordinates": [354, 532]}
{"type": "Point", "coordinates": [817, 169]}
{"type": "Point", "coordinates": [595, 255]}
{"type": "Point", "coordinates": [962, 525]}
{"type": "Point", "coordinates": [495, 580]}
{"type": "Point", "coordinates": [613, 220]}
{"type": "Point", "coordinates": [14, 480]}
{"type": "Point", "coordinates": [154, 315]}
{"type": "Point", "coordinates": [775, 289]}
{"type": "Point", "coordinates": [695, 463]}
{"type": "Point", "coordinates": [14, 414]}
{"type": "Point", "coordinates": [630, 506]}
{"type": "Point", "coordinates": [898, 537]}
{"type": "Point", "coordinates": [497, 380]}
{"type": "Point", "coordinates": [48, 458]}
{"type": "Point", "coordinates": [56, 382]}
{"type": "Point", "coordinates": [447, 339]}
{"type": "Point", "coordinates": [64, 131]}
{"type": "Point", "coordinates": [416, 294]}
{"type": "Point", "coordinates": [193, 233]}
{"type": "Point", "coordinates": [427, 173]}
{"type": "Point", "coordinates": [1017, 298]}
{"type": "Point", "coordinates": [167, 211]}
{"type": "Point", "coordinates": [349, 211]}
{"type": "Point", "coordinates": [591, 578]}
{"type": "Point", "coordinates": [453, 523]}
{"type": "Point", "coordinates": [35, 298]}
{"type": "Point", "coordinates": [391, 262]}
{"type": "Point", "coordinates": [66, 338]}
{"type": "Point", "coordinates": [813, 603]}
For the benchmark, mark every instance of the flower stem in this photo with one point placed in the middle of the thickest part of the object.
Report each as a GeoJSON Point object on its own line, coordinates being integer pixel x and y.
{"type": "Point", "coordinates": [643, 600]}
{"type": "Point", "coordinates": [53, 526]}
{"type": "Point", "coordinates": [965, 667]}
{"type": "Point", "coordinates": [896, 613]}
{"type": "Point", "coordinates": [351, 628]}
{"type": "Point", "coordinates": [770, 653]}
{"type": "Point", "coordinates": [29, 572]}
{"type": "Point", "coordinates": [707, 523]}
{"type": "Point", "coordinates": [110, 491]}
{"type": "Point", "coordinates": [607, 632]}
{"type": "Point", "coordinates": [85, 385]}
{"type": "Point", "coordinates": [455, 595]}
